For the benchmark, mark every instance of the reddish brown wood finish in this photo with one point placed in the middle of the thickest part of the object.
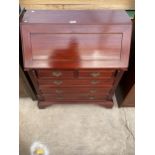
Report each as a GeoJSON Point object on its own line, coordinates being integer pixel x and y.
{"type": "Point", "coordinates": [68, 90]}
{"type": "Point", "coordinates": [64, 39]}
{"type": "Point", "coordinates": [107, 74]}
{"type": "Point", "coordinates": [46, 74]}
{"type": "Point", "coordinates": [75, 47]}
{"type": "Point", "coordinates": [74, 97]}
{"type": "Point", "coordinates": [74, 82]}
{"type": "Point", "coordinates": [75, 60]}
{"type": "Point", "coordinates": [75, 52]}
{"type": "Point", "coordinates": [65, 74]}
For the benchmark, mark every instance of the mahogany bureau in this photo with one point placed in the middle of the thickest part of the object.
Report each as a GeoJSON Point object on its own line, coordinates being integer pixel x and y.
{"type": "Point", "coordinates": [75, 56]}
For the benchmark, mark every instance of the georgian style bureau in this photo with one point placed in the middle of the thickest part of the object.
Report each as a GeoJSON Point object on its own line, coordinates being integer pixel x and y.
{"type": "Point", "coordinates": [75, 56]}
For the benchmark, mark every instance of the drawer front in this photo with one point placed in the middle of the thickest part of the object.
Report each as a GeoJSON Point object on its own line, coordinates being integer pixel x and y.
{"type": "Point", "coordinates": [70, 83]}
{"type": "Point", "coordinates": [73, 97]}
{"type": "Point", "coordinates": [97, 73]}
{"type": "Point", "coordinates": [88, 90]}
{"type": "Point", "coordinates": [55, 73]}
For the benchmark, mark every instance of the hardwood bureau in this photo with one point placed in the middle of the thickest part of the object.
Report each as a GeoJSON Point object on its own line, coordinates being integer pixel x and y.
{"type": "Point", "coordinates": [75, 56]}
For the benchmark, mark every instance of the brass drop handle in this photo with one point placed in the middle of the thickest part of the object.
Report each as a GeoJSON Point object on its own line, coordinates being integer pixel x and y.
{"type": "Point", "coordinates": [91, 97]}
{"type": "Point", "coordinates": [57, 82]}
{"type": "Point", "coordinates": [94, 82]}
{"type": "Point", "coordinates": [58, 91]}
{"type": "Point", "coordinates": [57, 73]}
{"type": "Point", "coordinates": [95, 74]}
{"type": "Point", "coordinates": [93, 91]}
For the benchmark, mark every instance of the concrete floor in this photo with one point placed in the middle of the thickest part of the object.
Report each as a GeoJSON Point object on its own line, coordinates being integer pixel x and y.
{"type": "Point", "coordinates": [82, 129]}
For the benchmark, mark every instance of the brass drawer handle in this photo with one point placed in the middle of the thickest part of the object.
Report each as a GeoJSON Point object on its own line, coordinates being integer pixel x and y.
{"type": "Point", "coordinates": [57, 73]}
{"type": "Point", "coordinates": [94, 82]}
{"type": "Point", "coordinates": [95, 74]}
{"type": "Point", "coordinates": [58, 91]}
{"type": "Point", "coordinates": [91, 97]}
{"type": "Point", "coordinates": [57, 82]}
{"type": "Point", "coordinates": [93, 91]}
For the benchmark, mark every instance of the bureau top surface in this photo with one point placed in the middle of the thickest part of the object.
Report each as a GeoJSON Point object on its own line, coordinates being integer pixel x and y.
{"type": "Point", "coordinates": [92, 17]}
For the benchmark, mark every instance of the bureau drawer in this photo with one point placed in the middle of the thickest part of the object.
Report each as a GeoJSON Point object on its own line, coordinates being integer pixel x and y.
{"type": "Point", "coordinates": [70, 83]}
{"type": "Point", "coordinates": [96, 73]}
{"type": "Point", "coordinates": [55, 73]}
{"type": "Point", "coordinates": [88, 90]}
{"type": "Point", "coordinates": [73, 97]}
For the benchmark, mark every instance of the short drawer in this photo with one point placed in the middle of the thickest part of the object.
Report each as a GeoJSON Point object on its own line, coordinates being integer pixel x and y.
{"type": "Point", "coordinates": [96, 73]}
{"type": "Point", "coordinates": [71, 83]}
{"type": "Point", "coordinates": [55, 74]}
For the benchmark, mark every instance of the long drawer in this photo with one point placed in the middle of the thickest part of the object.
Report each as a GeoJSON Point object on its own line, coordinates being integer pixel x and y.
{"type": "Point", "coordinates": [90, 90]}
{"type": "Point", "coordinates": [69, 83]}
{"type": "Point", "coordinates": [72, 97]}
